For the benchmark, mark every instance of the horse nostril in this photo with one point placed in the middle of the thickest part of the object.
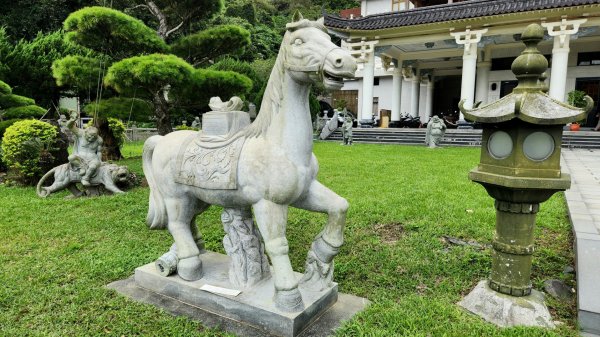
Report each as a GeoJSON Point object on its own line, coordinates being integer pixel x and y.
{"type": "Point", "coordinates": [339, 62]}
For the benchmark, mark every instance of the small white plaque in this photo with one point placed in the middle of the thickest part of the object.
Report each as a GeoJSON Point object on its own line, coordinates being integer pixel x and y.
{"type": "Point", "coordinates": [219, 290]}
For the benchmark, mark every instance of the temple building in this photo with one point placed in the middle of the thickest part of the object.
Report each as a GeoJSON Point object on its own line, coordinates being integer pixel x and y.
{"type": "Point", "coordinates": [421, 57]}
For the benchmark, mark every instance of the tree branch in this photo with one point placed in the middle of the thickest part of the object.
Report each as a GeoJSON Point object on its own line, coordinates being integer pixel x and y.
{"type": "Point", "coordinates": [162, 19]}
{"type": "Point", "coordinates": [176, 28]}
{"type": "Point", "coordinates": [136, 7]}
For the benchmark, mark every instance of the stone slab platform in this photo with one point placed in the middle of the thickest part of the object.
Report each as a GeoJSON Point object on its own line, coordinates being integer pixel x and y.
{"type": "Point", "coordinates": [583, 201]}
{"type": "Point", "coordinates": [252, 313]}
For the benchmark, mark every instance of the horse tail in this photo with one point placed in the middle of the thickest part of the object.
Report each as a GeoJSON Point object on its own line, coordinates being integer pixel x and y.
{"type": "Point", "coordinates": [38, 189]}
{"type": "Point", "coordinates": [157, 211]}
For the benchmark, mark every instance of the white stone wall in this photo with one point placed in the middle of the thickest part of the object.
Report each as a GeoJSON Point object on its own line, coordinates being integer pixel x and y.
{"type": "Point", "coordinates": [370, 7]}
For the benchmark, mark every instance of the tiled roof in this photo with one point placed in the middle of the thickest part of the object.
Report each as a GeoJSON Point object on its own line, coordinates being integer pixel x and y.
{"type": "Point", "coordinates": [448, 12]}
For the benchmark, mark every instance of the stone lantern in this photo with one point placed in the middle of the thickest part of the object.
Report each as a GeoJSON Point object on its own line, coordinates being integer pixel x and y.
{"type": "Point", "coordinates": [520, 168]}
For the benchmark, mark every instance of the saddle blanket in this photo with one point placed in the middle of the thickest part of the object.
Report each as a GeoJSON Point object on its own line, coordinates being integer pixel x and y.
{"type": "Point", "coordinates": [209, 164]}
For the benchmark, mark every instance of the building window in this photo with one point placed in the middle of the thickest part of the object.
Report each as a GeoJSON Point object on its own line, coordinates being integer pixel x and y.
{"type": "Point", "coordinates": [376, 81]}
{"type": "Point", "coordinates": [504, 63]}
{"type": "Point", "coordinates": [588, 59]}
{"type": "Point", "coordinates": [401, 5]}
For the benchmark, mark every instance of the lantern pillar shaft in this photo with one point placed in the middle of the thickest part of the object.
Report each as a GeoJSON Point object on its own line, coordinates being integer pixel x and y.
{"type": "Point", "coordinates": [513, 248]}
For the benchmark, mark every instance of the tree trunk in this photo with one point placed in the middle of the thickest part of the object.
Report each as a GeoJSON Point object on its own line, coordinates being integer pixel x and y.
{"type": "Point", "coordinates": [161, 110]}
{"type": "Point", "coordinates": [110, 146]}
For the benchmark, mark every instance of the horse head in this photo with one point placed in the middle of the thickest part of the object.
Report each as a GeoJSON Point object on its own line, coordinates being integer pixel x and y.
{"type": "Point", "coordinates": [310, 56]}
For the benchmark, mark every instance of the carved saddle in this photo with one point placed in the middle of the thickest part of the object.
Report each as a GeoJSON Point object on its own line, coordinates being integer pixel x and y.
{"type": "Point", "coordinates": [208, 159]}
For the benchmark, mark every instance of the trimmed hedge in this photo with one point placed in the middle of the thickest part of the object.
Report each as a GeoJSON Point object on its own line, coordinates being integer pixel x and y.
{"type": "Point", "coordinates": [4, 125]}
{"type": "Point", "coordinates": [11, 101]}
{"type": "Point", "coordinates": [23, 144]}
{"type": "Point", "coordinates": [24, 112]}
{"type": "Point", "coordinates": [5, 89]}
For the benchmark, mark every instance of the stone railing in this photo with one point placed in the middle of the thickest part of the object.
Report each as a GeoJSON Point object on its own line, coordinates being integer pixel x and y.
{"type": "Point", "coordinates": [135, 133]}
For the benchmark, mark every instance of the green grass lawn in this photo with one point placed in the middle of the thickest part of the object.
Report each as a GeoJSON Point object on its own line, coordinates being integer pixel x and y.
{"type": "Point", "coordinates": [57, 255]}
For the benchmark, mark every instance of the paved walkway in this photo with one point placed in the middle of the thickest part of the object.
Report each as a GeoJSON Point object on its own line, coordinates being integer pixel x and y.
{"type": "Point", "coordinates": [583, 200]}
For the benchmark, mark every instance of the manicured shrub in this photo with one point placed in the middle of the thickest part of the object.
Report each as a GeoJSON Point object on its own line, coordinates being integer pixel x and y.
{"type": "Point", "coordinates": [11, 101]}
{"type": "Point", "coordinates": [185, 127]}
{"type": "Point", "coordinates": [4, 125]}
{"type": "Point", "coordinates": [24, 112]}
{"type": "Point", "coordinates": [116, 127]}
{"type": "Point", "coordinates": [5, 89]}
{"type": "Point", "coordinates": [25, 144]}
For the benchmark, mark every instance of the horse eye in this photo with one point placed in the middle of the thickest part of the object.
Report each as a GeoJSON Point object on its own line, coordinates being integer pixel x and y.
{"type": "Point", "coordinates": [298, 42]}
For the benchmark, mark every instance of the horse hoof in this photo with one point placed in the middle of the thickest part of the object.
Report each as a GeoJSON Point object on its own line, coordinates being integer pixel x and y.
{"type": "Point", "coordinates": [288, 300]}
{"type": "Point", "coordinates": [190, 268]}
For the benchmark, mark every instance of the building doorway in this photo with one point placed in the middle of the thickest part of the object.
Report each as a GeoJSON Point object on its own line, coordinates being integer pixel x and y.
{"type": "Point", "coordinates": [348, 96]}
{"type": "Point", "coordinates": [506, 87]}
{"type": "Point", "coordinates": [591, 86]}
{"type": "Point", "coordinates": [446, 95]}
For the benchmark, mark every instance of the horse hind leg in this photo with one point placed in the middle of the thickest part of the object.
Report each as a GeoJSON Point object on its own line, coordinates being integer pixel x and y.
{"type": "Point", "coordinates": [181, 212]}
{"type": "Point", "coordinates": [318, 273]}
{"type": "Point", "coordinates": [272, 220]}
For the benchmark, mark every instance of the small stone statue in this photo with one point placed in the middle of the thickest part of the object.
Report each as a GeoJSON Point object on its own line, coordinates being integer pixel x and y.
{"type": "Point", "coordinates": [436, 128]}
{"type": "Point", "coordinates": [62, 122]}
{"type": "Point", "coordinates": [87, 150]}
{"type": "Point", "coordinates": [196, 123]}
{"type": "Point", "coordinates": [347, 129]}
{"type": "Point", "coordinates": [66, 176]}
{"type": "Point", "coordinates": [85, 166]}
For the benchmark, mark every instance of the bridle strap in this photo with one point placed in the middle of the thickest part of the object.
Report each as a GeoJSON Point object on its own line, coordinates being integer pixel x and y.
{"type": "Point", "coordinates": [313, 68]}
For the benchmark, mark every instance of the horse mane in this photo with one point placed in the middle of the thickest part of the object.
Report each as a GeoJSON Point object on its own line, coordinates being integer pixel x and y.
{"type": "Point", "coordinates": [273, 96]}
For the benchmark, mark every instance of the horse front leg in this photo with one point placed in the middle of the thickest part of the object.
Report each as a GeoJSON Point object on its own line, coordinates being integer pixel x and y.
{"type": "Point", "coordinates": [318, 274]}
{"type": "Point", "coordinates": [271, 219]}
{"type": "Point", "coordinates": [180, 212]}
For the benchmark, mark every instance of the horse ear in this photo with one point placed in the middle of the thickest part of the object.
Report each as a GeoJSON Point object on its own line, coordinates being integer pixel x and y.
{"type": "Point", "coordinates": [297, 16]}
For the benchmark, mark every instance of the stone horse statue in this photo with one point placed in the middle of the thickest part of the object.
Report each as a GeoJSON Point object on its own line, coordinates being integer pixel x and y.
{"type": "Point", "coordinates": [275, 168]}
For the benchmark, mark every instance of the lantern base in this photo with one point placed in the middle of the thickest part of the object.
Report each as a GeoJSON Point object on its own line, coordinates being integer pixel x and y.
{"type": "Point", "coordinates": [505, 310]}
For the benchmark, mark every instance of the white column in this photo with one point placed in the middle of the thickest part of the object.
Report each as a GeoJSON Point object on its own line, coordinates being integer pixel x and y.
{"type": "Point", "coordinates": [396, 92]}
{"type": "Point", "coordinates": [469, 39]}
{"type": "Point", "coordinates": [405, 96]}
{"type": "Point", "coordinates": [366, 112]}
{"type": "Point", "coordinates": [423, 99]}
{"type": "Point", "coordinates": [560, 54]}
{"type": "Point", "coordinates": [414, 97]}
{"type": "Point", "coordinates": [429, 104]}
{"type": "Point", "coordinates": [483, 79]}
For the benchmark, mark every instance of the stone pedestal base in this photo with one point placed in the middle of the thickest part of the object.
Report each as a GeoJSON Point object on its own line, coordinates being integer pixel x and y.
{"type": "Point", "coordinates": [250, 313]}
{"type": "Point", "coordinates": [507, 311]}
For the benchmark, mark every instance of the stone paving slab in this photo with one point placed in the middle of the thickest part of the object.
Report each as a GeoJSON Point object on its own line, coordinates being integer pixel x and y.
{"type": "Point", "coordinates": [583, 201]}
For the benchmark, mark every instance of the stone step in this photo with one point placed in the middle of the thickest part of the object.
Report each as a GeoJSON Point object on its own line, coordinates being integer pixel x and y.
{"type": "Point", "coordinates": [455, 137]}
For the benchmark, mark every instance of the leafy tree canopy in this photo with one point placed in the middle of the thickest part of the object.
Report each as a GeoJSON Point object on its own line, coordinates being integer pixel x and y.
{"type": "Point", "coordinates": [30, 64]}
{"type": "Point", "coordinates": [151, 73]}
{"type": "Point", "coordinates": [111, 32]}
{"type": "Point", "coordinates": [121, 107]}
{"type": "Point", "coordinates": [208, 44]}
{"type": "Point", "coordinates": [207, 83]}
{"type": "Point", "coordinates": [25, 19]}
{"type": "Point", "coordinates": [79, 72]}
